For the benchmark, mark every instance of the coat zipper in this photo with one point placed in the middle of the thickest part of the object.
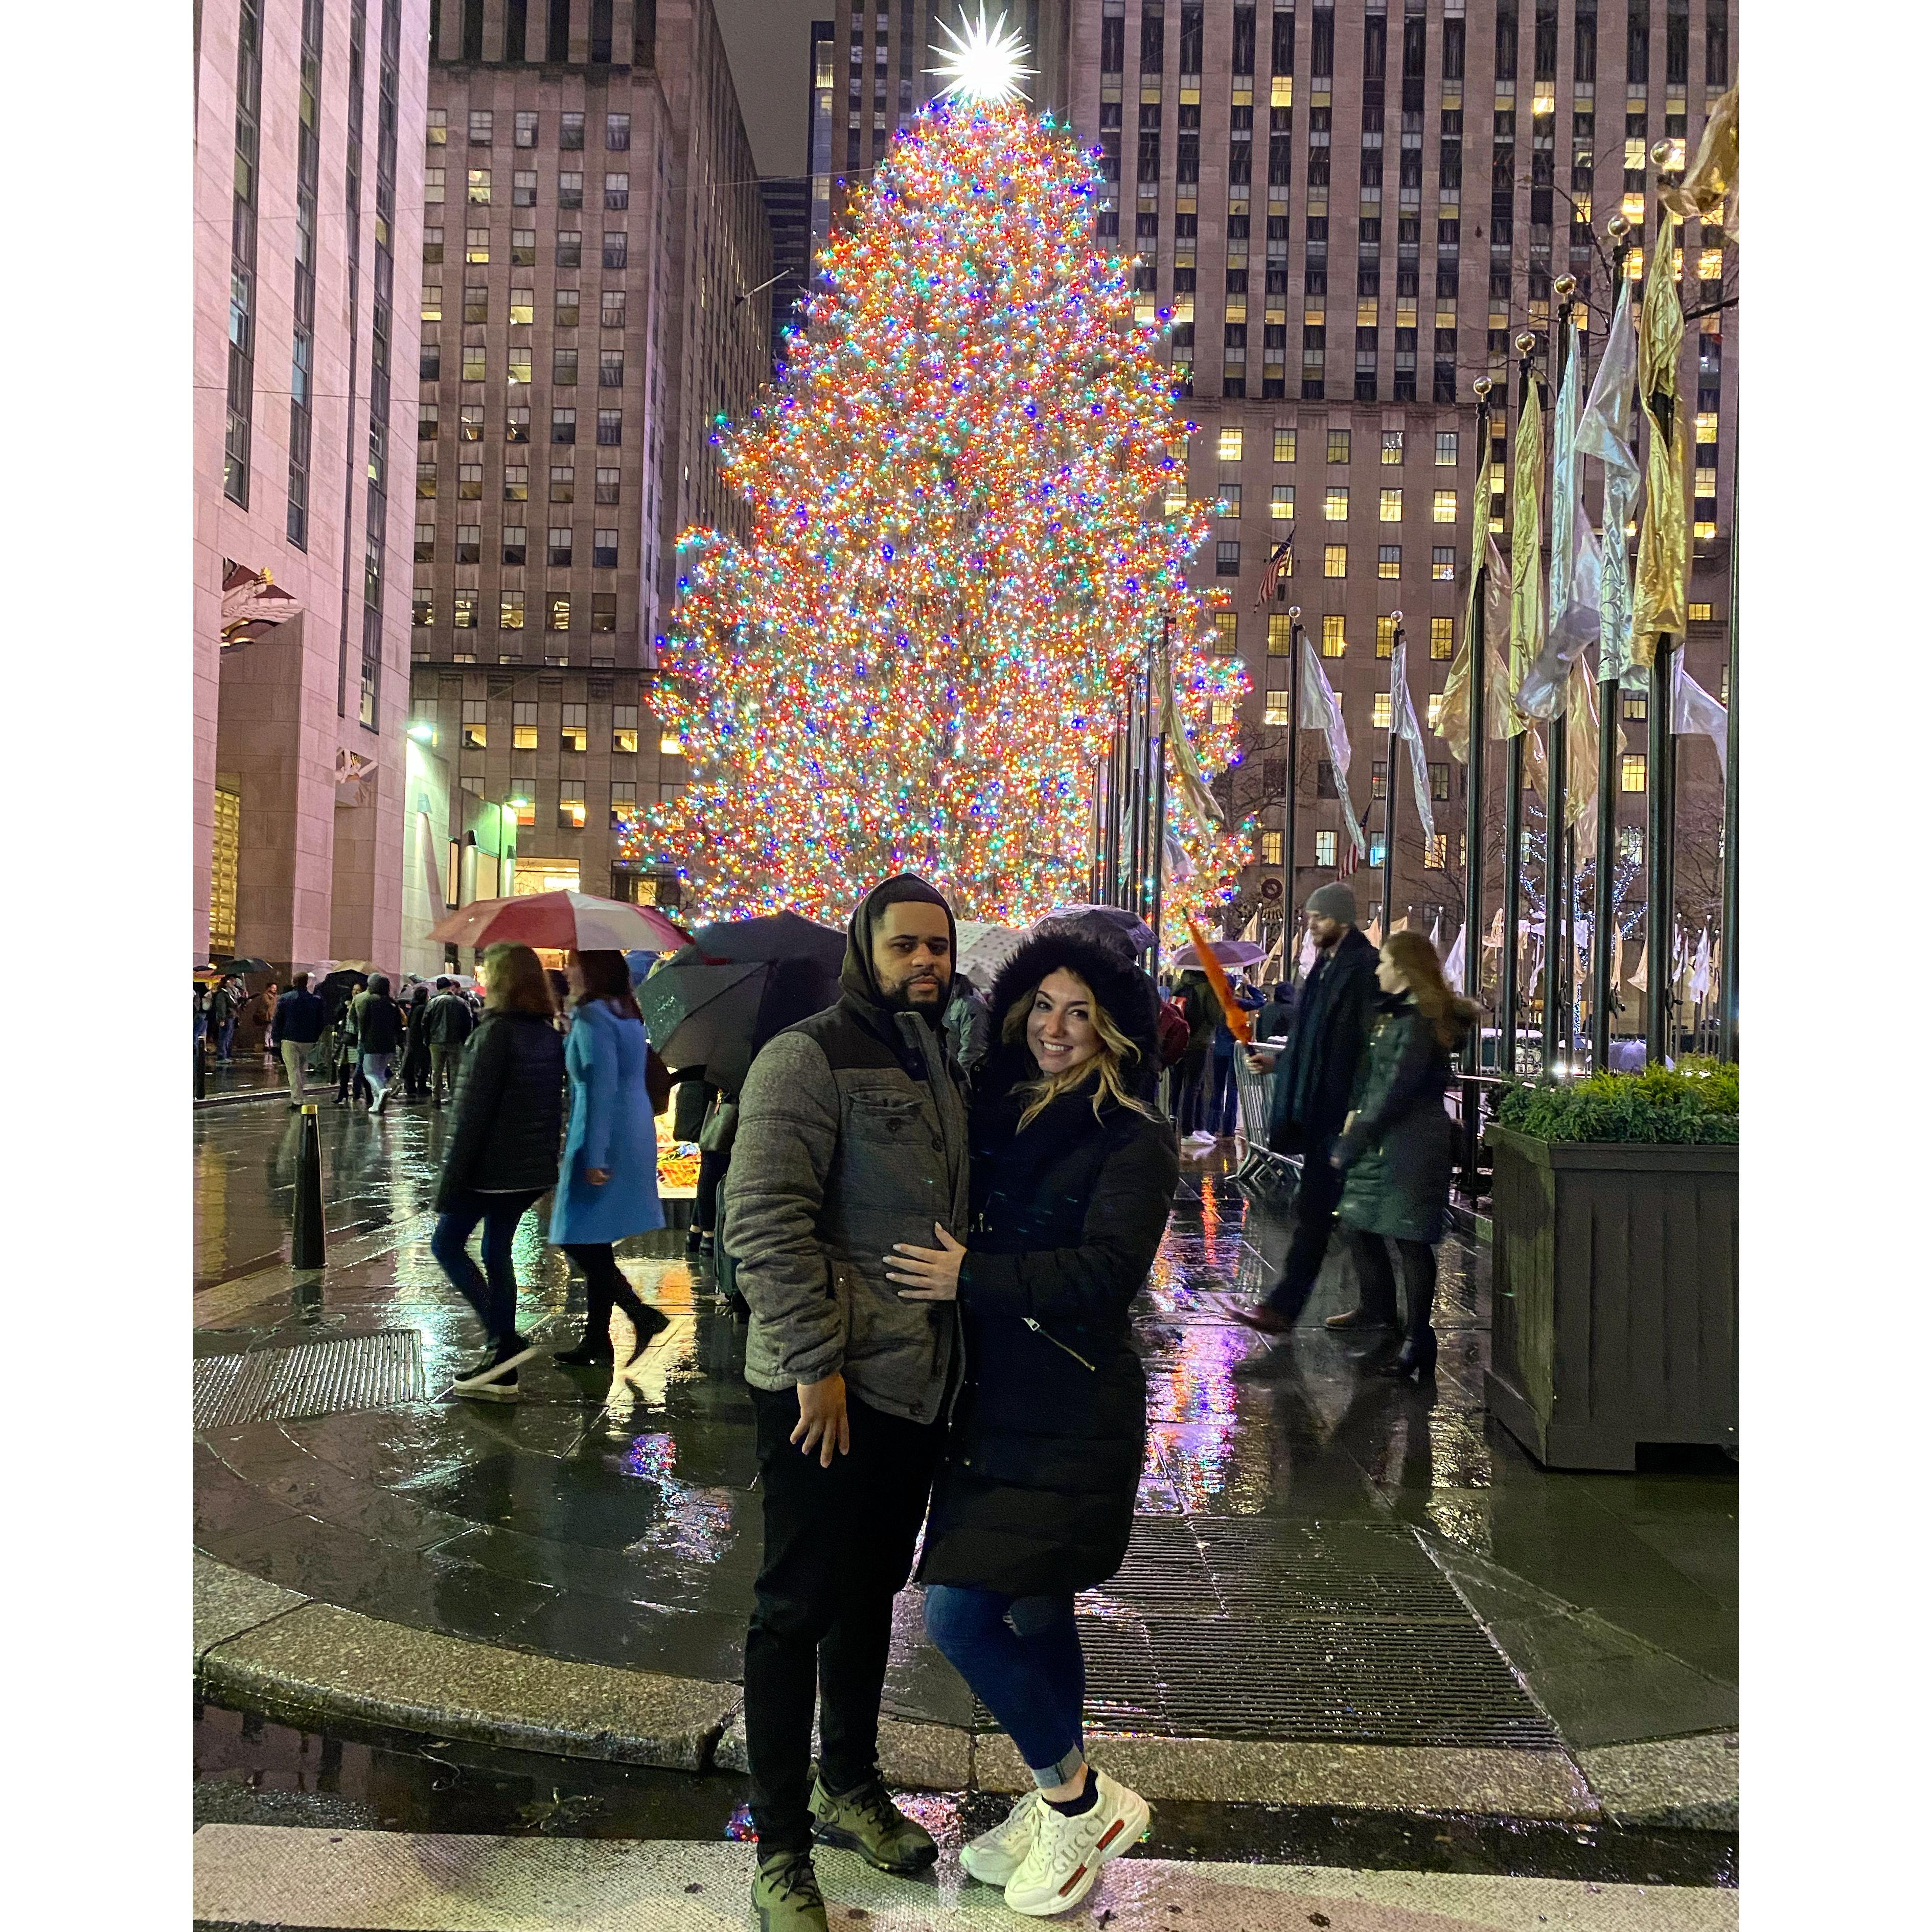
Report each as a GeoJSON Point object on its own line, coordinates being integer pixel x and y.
{"type": "Point", "coordinates": [1060, 1345]}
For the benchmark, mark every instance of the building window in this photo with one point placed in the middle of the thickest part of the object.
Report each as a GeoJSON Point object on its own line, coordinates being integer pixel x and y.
{"type": "Point", "coordinates": [1385, 639]}
{"type": "Point", "coordinates": [623, 803]}
{"type": "Point", "coordinates": [1435, 709]}
{"type": "Point", "coordinates": [469, 543]}
{"type": "Point", "coordinates": [1333, 640]}
{"type": "Point", "coordinates": [1633, 769]}
{"type": "Point", "coordinates": [611, 369]}
{"type": "Point", "coordinates": [1636, 707]}
{"type": "Point", "coordinates": [604, 550]}
{"type": "Point", "coordinates": [432, 246]}
{"type": "Point", "coordinates": [517, 424]}
{"type": "Point", "coordinates": [562, 483]}
{"type": "Point", "coordinates": [610, 313]}
{"type": "Point", "coordinates": [1225, 645]}
{"type": "Point", "coordinates": [609, 485]}
{"type": "Point", "coordinates": [617, 248]}
{"type": "Point", "coordinates": [623, 727]}
{"type": "Point", "coordinates": [1281, 503]}
{"type": "Point", "coordinates": [562, 426]}
{"type": "Point", "coordinates": [616, 132]}
{"type": "Point", "coordinates": [559, 547]}
{"type": "Point", "coordinates": [1445, 449]}
{"type": "Point", "coordinates": [570, 132]}
{"type": "Point", "coordinates": [476, 303]}
{"type": "Point", "coordinates": [1222, 711]}
{"type": "Point", "coordinates": [1335, 504]}
{"type": "Point", "coordinates": [1378, 788]}
{"type": "Point", "coordinates": [469, 482]}
{"type": "Point", "coordinates": [616, 191]}
{"type": "Point", "coordinates": [1390, 505]}
{"type": "Point", "coordinates": [435, 133]}
{"type": "Point", "coordinates": [569, 248]}
{"type": "Point", "coordinates": [1442, 563]}
{"type": "Point", "coordinates": [474, 362]}
{"type": "Point", "coordinates": [1392, 446]}
{"type": "Point", "coordinates": [480, 121]}
{"type": "Point", "coordinates": [469, 423]}
{"type": "Point", "coordinates": [609, 428]}
{"type": "Point", "coordinates": [425, 481]}
{"type": "Point", "coordinates": [432, 301]}
{"type": "Point", "coordinates": [523, 188]}
{"type": "Point", "coordinates": [425, 542]}
{"type": "Point", "coordinates": [1270, 846]}
{"type": "Point", "coordinates": [1378, 719]}
{"type": "Point", "coordinates": [526, 135]}
{"type": "Point", "coordinates": [1284, 446]}
{"type": "Point", "coordinates": [570, 814]}
{"type": "Point", "coordinates": [1275, 707]}
{"type": "Point", "coordinates": [1437, 856]}
{"type": "Point", "coordinates": [516, 544]}
{"type": "Point", "coordinates": [603, 611]}
{"type": "Point", "coordinates": [523, 727]}
{"type": "Point", "coordinates": [1388, 560]}
{"type": "Point", "coordinates": [516, 482]}
{"type": "Point", "coordinates": [570, 190]}
{"type": "Point", "coordinates": [1438, 781]}
{"type": "Point", "coordinates": [520, 364]}
{"type": "Point", "coordinates": [429, 362]}
{"type": "Point", "coordinates": [567, 302]}
{"type": "Point", "coordinates": [463, 610]}
{"type": "Point", "coordinates": [1325, 848]}
{"type": "Point", "coordinates": [509, 611]}
{"type": "Point", "coordinates": [1229, 506]}
{"type": "Point", "coordinates": [1228, 446]}
{"type": "Point", "coordinates": [1441, 638]}
{"type": "Point", "coordinates": [1700, 614]}
{"type": "Point", "coordinates": [1630, 844]}
{"type": "Point", "coordinates": [1443, 510]}
{"type": "Point", "coordinates": [1228, 560]}
{"type": "Point", "coordinates": [1280, 635]}
{"type": "Point", "coordinates": [1338, 445]}
{"type": "Point", "coordinates": [479, 186]}
{"type": "Point", "coordinates": [1335, 560]}
{"type": "Point", "coordinates": [476, 245]}
{"type": "Point", "coordinates": [475, 727]}
{"type": "Point", "coordinates": [563, 368]}
{"type": "Point", "coordinates": [422, 606]}
{"type": "Point", "coordinates": [557, 616]}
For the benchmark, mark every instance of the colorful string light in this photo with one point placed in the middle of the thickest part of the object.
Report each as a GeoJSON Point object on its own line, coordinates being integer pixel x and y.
{"type": "Point", "coordinates": [958, 553]}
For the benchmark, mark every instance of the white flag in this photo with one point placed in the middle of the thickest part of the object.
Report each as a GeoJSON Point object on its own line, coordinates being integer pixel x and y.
{"type": "Point", "coordinates": [1306, 964]}
{"type": "Point", "coordinates": [1700, 967]}
{"type": "Point", "coordinates": [1321, 711]}
{"type": "Point", "coordinates": [1575, 564]}
{"type": "Point", "coordinates": [1409, 731]}
{"type": "Point", "coordinates": [1435, 936]}
{"type": "Point", "coordinates": [1452, 967]}
{"type": "Point", "coordinates": [1640, 979]}
{"type": "Point", "coordinates": [1373, 931]}
{"type": "Point", "coordinates": [1606, 431]}
{"type": "Point", "coordinates": [1693, 708]}
{"type": "Point", "coordinates": [1616, 958]}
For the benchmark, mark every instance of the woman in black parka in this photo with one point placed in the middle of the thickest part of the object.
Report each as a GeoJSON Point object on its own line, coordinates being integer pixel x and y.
{"type": "Point", "coordinates": [1073, 1175]}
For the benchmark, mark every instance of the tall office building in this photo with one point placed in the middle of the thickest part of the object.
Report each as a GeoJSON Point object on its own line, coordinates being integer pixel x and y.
{"type": "Point", "coordinates": [788, 210]}
{"type": "Point", "coordinates": [1350, 210]}
{"type": "Point", "coordinates": [593, 237]}
{"type": "Point", "coordinates": [309, 120]}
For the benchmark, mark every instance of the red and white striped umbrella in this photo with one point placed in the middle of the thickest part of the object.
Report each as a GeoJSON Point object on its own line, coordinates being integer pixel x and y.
{"type": "Point", "coordinates": [561, 921]}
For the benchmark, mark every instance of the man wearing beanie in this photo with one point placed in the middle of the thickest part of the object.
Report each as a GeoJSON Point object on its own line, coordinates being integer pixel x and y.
{"type": "Point", "coordinates": [851, 1139]}
{"type": "Point", "coordinates": [1314, 1080]}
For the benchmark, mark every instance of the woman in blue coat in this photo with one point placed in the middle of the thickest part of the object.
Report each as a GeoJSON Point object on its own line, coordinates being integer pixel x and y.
{"type": "Point", "coordinates": [608, 1187]}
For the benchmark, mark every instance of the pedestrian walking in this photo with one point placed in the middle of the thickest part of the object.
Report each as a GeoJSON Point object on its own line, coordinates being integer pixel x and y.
{"type": "Point", "coordinates": [1397, 1147]}
{"type": "Point", "coordinates": [608, 1187]}
{"type": "Point", "coordinates": [1314, 1081]}
{"type": "Point", "coordinates": [447, 1022]}
{"type": "Point", "coordinates": [378, 1022]}
{"type": "Point", "coordinates": [224, 1010]}
{"type": "Point", "coordinates": [1072, 1177]}
{"type": "Point", "coordinates": [1204, 1013]}
{"type": "Point", "coordinates": [262, 1018]}
{"type": "Point", "coordinates": [1225, 1103]}
{"type": "Point", "coordinates": [693, 1101]}
{"type": "Point", "coordinates": [851, 1137]}
{"type": "Point", "coordinates": [299, 1017]}
{"type": "Point", "coordinates": [415, 1044]}
{"type": "Point", "coordinates": [500, 1159]}
{"type": "Point", "coordinates": [1272, 1022]}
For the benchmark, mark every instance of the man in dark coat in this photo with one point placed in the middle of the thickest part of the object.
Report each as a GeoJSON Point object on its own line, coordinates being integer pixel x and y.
{"type": "Point", "coordinates": [851, 1139]}
{"type": "Point", "coordinates": [446, 1025]}
{"type": "Point", "coordinates": [1314, 1080]}
{"type": "Point", "coordinates": [294, 1030]}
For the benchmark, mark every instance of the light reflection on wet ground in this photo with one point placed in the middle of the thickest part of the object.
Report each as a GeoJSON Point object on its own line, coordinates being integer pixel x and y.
{"type": "Point", "coordinates": [612, 1518]}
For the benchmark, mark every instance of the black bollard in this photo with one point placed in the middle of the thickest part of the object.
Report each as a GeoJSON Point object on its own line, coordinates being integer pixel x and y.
{"type": "Point", "coordinates": [307, 1242]}
{"type": "Point", "coordinates": [200, 1070]}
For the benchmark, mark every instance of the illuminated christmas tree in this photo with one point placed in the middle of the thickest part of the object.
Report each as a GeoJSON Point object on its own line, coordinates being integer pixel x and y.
{"type": "Point", "coordinates": [968, 520]}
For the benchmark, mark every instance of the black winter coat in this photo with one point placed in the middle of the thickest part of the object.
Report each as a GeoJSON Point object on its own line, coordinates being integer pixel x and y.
{"type": "Point", "coordinates": [1035, 1495]}
{"type": "Point", "coordinates": [1315, 1077]}
{"type": "Point", "coordinates": [507, 1116]}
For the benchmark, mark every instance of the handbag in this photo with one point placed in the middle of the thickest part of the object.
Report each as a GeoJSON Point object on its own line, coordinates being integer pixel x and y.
{"type": "Point", "coordinates": [657, 1080]}
{"type": "Point", "coordinates": [721, 1129]}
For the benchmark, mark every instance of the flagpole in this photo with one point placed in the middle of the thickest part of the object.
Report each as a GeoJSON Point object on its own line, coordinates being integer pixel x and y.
{"type": "Point", "coordinates": [1287, 919]}
{"type": "Point", "coordinates": [1159, 835]}
{"type": "Point", "coordinates": [1556, 803]}
{"type": "Point", "coordinates": [1389, 790]}
{"type": "Point", "coordinates": [1727, 918]}
{"type": "Point", "coordinates": [1526, 344]}
{"type": "Point", "coordinates": [1472, 860]}
{"type": "Point", "coordinates": [1112, 895]}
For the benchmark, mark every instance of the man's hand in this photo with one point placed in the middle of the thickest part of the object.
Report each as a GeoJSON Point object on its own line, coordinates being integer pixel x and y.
{"type": "Point", "coordinates": [597, 1176]}
{"type": "Point", "coordinates": [821, 1419]}
{"type": "Point", "coordinates": [929, 1274]}
{"type": "Point", "coordinates": [1260, 1060]}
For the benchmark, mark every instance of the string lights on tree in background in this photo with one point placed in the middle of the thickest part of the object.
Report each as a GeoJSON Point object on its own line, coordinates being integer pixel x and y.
{"type": "Point", "coordinates": [960, 545]}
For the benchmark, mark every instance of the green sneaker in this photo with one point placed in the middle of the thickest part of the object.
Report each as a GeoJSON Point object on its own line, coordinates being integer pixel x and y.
{"type": "Point", "coordinates": [785, 1894]}
{"type": "Point", "coordinates": [866, 1821]}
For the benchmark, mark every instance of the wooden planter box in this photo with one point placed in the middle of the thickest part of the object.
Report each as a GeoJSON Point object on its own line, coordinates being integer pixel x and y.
{"type": "Point", "coordinates": [1614, 1275]}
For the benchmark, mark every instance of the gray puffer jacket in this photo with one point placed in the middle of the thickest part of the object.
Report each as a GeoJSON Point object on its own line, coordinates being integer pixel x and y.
{"type": "Point", "coordinates": [851, 1136]}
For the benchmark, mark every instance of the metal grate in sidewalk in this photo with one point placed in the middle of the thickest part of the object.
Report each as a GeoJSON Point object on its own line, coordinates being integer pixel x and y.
{"type": "Point", "coordinates": [351, 1372]}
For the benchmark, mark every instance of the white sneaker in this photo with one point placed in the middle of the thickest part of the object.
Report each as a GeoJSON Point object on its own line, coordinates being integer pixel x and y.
{"type": "Point", "coordinates": [993, 1856]}
{"type": "Point", "coordinates": [1064, 1860]}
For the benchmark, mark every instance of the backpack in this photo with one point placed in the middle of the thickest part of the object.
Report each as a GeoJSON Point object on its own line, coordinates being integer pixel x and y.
{"type": "Point", "coordinates": [1174, 1031]}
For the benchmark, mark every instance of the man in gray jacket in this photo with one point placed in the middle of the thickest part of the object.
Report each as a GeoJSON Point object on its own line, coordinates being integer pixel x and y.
{"type": "Point", "coordinates": [851, 1139]}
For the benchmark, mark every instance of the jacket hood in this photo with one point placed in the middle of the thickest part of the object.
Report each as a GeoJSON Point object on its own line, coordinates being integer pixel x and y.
{"type": "Point", "coordinates": [856, 978]}
{"type": "Point", "coordinates": [1126, 993]}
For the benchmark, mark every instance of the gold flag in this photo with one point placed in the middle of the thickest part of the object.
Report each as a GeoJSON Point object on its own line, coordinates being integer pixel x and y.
{"type": "Point", "coordinates": [1580, 741]}
{"type": "Point", "coordinates": [1535, 765]}
{"type": "Point", "coordinates": [1188, 777]}
{"type": "Point", "coordinates": [1713, 179]}
{"type": "Point", "coordinates": [1662, 551]}
{"type": "Point", "coordinates": [1526, 611]}
{"type": "Point", "coordinates": [1452, 717]}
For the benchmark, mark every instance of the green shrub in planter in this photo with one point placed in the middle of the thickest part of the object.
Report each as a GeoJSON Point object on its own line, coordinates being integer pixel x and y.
{"type": "Point", "coordinates": [1696, 1103]}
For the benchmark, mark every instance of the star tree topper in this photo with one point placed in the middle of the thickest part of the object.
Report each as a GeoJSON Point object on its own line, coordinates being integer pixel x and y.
{"type": "Point", "coordinates": [983, 62]}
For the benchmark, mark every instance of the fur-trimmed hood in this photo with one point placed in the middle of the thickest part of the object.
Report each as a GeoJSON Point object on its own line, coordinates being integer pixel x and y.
{"type": "Point", "coordinates": [1126, 993]}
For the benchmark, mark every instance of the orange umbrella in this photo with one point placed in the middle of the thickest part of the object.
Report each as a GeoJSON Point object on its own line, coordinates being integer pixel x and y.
{"type": "Point", "coordinates": [1232, 1011]}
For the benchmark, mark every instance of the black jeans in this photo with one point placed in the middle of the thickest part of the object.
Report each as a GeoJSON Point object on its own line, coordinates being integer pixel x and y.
{"type": "Point", "coordinates": [605, 1287]}
{"type": "Point", "coordinates": [1315, 1201]}
{"type": "Point", "coordinates": [1378, 1278]}
{"type": "Point", "coordinates": [494, 1299]}
{"type": "Point", "coordinates": [838, 1547]}
{"type": "Point", "coordinates": [712, 1163]}
{"type": "Point", "coordinates": [1191, 1074]}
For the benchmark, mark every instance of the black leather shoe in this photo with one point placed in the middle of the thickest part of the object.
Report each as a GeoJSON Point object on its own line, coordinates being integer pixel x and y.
{"type": "Point", "coordinates": [1359, 1318]}
{"type": "Point", "coordinates": [1416, 1357]}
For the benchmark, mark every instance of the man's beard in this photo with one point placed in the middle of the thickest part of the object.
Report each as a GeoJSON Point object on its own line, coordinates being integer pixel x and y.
{"type": "Point", "coordinates": [900, 998]}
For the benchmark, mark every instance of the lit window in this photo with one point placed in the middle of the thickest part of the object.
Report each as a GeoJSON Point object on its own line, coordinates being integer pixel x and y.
{"type": "Point", "coordinates": [1225, 644]}
{"type": "Point", "coordinates": [524, 807]}
{"type": "Point", "coordinates": [1444, 509]}
{"type": "Point", "coordinates": [1338, 445]}
{"type": "Point", "coordinates": [1437, 856]}
{"type": "Point", "coordinates": [1391, 505]}
{"type": "Point", "coordinates": [558, 606]}
{"type": "Point", "coordinates": [1700, 614]}
{"type": "Point", "coordinates": [432, 301]}
{"type": "Point", "coordinates": [1270, 841]}
{"type": "Point", "coordinates": [1392, 446]}
{"type": "Point", "coordinates": [1284, 446]}
{"type": "Point", "coordinates": [1442, 563]}
{"type": "Point", "coordinates": [523, 306]}
{"type": "Point", "coordinates": [509, 611]}
{"type": "Point", "coordinates": [520, 363]}
{"type": "Point", "coordinates": [623, 727]}
{"type": "Point", "coordinates": [438, 130]}
{"type": "Point", "coordinates": [1379, 719]}
{"type": "Point", "coordinates": [464, 616]}
{"type": "Point", "coordinates": [523, 727]}
{"type": "Point", "coordinates": [1637, 705]}
{"type": "Point", "coordinates": [1275, 712]}
{"type": "Point", "coordinates": [1280, 635]}
{"type": "Point", "coordinates": [1174, 503]}
{"type": "Point", "coordinates": [1704, 530]}
{"type": "Point", "coordinates": [1633, 261]}
{"type": "Point", "coordinates": [1388, 560]}
{"type": "Point", "coordinates": [474, 362]}
{"type": "Point", "coordinates": [1335, 560]}
{"type": "Point", "coordinates": [1435, 709]}
{"type": "Point", "coordinates": [623, 803]}
{"type": "Point", "coordinates": [1441, 638]}
{"type": "Point", "coordinates": [1445, 449]}
{"type": "Point", "coordinates": [1634, 764]}
{"type": "Point", "coordinates": [426, 480]}
{"type": "Point", "coordinates": [476, 730]}
{"type": "Point", "coordinates": [1333, 642]}
{"type": "Point", "coordinates": [1230, 504]}
{"type": "Point", "coordinates": [570, 814]}
{"type": "Point", "coordinates": [1710, 264]}
{"type": "Point", "coordinates": [479, 186]}
{"type": "Point", "coordinates": [670, 746]}
{"type": "Point", "coordinates": [1228, 448]}
{"type": "Point", "coordinates": [1335, 504]}
{"type": "Point", "coordinates": [1228, 560]}
{"type": "Point", "coordinates": [1378, 788]}
{"type": "Point", "coordinates": [469, 423]}
{"type": "Point", "coordinates": [1385, 638]}
{"type": "Point", "coordinates": [576, 727]}
{"type": "Point", "coordinates": [1325, 848]}
{"type": "Point", "coordinates": [1223, 711]}
{"type": "Point", "coordinates": [422, 608]}
{"type": "Point", "coordinates": [1281, 503]}
{"type": "Point", "coordinates": [476, 248]}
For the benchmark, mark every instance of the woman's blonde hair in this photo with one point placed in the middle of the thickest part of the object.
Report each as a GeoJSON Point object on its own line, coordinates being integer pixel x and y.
{"type": "Point", "coordinates": [513, 981]}
{"type": "Point", "coordinates": [1108, 1063]}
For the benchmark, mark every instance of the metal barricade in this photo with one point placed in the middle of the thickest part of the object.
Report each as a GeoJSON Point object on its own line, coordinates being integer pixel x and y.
{"type": "Point", "coordinates": [1259, 1167]}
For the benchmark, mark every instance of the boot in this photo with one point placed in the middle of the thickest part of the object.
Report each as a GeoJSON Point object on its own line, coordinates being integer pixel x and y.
{"type": "Point", "coordinates": [1416, 1357]}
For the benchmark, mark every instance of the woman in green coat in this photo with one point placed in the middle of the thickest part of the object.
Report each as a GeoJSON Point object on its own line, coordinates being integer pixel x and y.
{"type": "Point", "coordinates": [1398, 1145]}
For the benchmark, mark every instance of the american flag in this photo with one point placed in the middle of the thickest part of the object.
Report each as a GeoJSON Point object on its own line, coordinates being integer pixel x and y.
{"type": "Point", "coordinates": [1278, 566]}
{"type": "Point", "coordinates": [1350, 858]}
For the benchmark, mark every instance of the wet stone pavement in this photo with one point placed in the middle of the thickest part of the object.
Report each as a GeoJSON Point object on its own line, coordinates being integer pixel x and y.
{"type": "Point", "coordinates": [1322, 1554]}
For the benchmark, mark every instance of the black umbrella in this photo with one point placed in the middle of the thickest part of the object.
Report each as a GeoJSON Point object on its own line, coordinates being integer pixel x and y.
{"type": "Point", "coordinates": [343, 979]}
{"type": "Point", "coordinates": [244, 966]}
{"type": "Point", "coordinates": [713, 1004]}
